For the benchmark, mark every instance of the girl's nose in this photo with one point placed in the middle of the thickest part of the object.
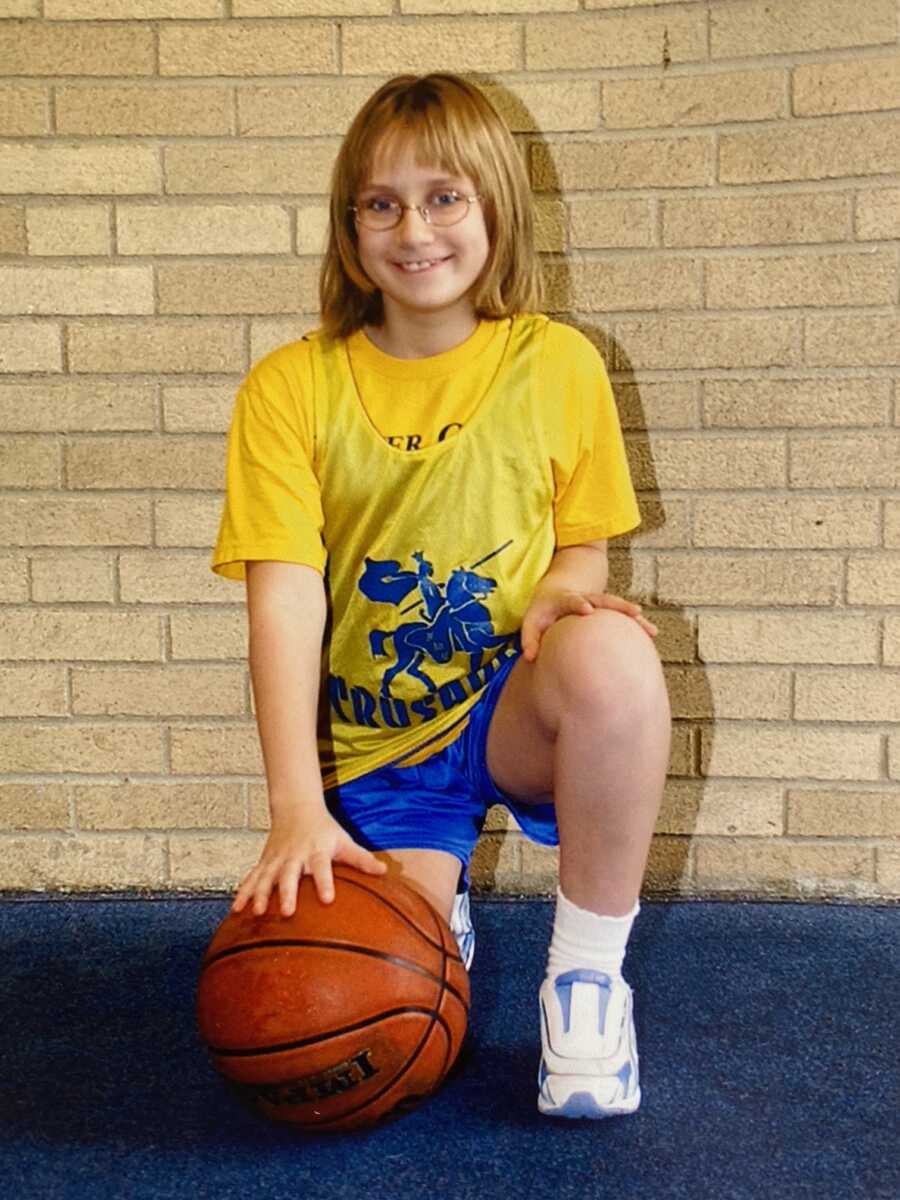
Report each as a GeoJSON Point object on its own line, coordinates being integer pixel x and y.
{"type": "Point", "coordinates": [414, 226]}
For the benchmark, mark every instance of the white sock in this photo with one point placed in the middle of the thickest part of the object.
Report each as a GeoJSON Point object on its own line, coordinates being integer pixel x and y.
{"type": "Point", "coordinates": [584, 939]}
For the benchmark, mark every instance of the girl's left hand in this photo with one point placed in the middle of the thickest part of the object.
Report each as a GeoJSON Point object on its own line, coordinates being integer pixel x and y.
{"type": "Point", "coordinates": [548, 607]}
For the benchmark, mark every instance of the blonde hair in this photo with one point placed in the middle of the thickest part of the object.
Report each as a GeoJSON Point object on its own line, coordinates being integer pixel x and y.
{"type": "Point", "coordinates": [450, 124]}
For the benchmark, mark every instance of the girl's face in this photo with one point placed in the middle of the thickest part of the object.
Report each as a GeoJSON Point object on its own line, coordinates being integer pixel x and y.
{"type": "Point", "coordinates": [441, 263]}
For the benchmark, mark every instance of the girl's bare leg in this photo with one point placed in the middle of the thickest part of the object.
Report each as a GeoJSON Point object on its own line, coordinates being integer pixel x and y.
{"type": "Point", "coordinates": [588, 725]}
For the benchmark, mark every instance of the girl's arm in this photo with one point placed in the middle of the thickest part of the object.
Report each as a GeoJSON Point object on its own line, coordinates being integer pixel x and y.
{"type": "Point", "coordinates": [287, 611]}
{"type": "Point", "coordinates": [286, 615]}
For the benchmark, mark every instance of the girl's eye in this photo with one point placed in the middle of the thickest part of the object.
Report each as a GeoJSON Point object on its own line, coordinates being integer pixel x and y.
{"type": "Point", "coordinates": [444, 199]}
{"type": "Point", "coordinates": [380, 204]}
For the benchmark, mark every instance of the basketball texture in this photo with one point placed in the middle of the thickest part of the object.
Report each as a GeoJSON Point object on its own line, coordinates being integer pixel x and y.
{"type": "Point", "coordinates": [340, 1015]}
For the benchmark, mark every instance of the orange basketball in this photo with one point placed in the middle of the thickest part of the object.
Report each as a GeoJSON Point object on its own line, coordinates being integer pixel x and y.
{"type": "Point", "coordinates": [341, 1014]}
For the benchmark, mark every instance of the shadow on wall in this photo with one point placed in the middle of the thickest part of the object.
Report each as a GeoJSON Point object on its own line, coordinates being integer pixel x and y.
{"type": "Point", "coordinates": [670, 866]}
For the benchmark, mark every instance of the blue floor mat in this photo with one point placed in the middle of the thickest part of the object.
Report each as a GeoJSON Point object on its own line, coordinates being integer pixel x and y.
{"type": "Point", "coordinates": [768, 1037]}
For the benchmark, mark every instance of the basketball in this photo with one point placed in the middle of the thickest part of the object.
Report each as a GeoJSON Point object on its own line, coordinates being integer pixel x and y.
{"type": "Point", "coordinates": [338, 1016]}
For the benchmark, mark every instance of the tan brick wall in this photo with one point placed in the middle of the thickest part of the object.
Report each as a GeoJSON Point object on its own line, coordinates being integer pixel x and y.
{"type": "Point", "coordinates": [717, 189]}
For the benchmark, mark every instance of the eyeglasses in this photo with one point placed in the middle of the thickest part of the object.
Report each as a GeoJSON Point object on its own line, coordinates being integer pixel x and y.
{"type": "Point", "coordinates": [443, 208]}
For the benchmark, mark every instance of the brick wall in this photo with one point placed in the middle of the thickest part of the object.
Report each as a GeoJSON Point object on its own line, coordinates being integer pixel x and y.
{"type": "Point", "coordinates": [718, 191]}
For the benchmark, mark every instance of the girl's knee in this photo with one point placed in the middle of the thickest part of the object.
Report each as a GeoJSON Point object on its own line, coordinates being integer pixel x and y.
{"type": "Point", "coordinates": [603, 661]}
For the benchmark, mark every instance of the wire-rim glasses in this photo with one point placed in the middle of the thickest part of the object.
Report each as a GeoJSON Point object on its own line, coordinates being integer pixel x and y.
{"type": "Point", "coordinates": [446, 207]}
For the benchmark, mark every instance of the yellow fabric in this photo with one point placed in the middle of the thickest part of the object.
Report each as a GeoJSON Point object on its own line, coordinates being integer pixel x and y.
{"type": "Point", "coordinates": [431, 554]}
{"type": "Point", "coordinates": [434, 406]}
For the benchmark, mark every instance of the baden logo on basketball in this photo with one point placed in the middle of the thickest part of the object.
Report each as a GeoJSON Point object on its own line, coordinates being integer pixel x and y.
{"type": "Point", "coordinates": [333, 1082]}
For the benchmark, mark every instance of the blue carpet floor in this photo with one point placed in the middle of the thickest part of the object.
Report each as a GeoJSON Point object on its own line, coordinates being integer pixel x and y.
{"type": "Point", "coordinates": [768, 1037]}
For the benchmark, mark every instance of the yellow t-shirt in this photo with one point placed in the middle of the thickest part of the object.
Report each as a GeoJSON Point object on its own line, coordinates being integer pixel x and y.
{"type": "Point", "coordinates": [431, 554]}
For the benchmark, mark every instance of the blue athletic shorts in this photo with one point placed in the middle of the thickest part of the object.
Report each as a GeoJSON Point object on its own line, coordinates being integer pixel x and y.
{"type": "Point", "coordinates": [439, 804]}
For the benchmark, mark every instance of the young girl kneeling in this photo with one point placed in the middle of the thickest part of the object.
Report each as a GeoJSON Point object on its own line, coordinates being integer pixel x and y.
{"type": "Point", "coordinates": [420, 493]}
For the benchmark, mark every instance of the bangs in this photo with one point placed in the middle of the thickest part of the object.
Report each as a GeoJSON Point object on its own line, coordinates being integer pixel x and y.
{"type": "Point", "coordinates": [429, 131]}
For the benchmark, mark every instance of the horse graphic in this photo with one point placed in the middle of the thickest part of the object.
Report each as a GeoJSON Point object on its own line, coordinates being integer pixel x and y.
{"type": "Point", "coordinates": [455, 618]}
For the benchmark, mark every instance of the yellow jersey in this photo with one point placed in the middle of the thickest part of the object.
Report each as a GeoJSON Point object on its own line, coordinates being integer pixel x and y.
{"type": "Point", "coordinates": [432, 494]}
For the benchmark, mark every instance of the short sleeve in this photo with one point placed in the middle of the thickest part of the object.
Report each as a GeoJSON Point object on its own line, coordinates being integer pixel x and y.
{"type": "Point", "coordinates": [273, 507]}
{"type": "Point", "coordinates": [593, 494]}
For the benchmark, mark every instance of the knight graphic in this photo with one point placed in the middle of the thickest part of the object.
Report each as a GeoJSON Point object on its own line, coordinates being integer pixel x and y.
{"type": "Point", "coordinates": [455, 618]}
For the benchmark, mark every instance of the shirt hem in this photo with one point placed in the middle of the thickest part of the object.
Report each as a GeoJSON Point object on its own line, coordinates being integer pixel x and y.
{"type": "Point", "coordinates": [589, 533]}
{"type": "Point", "coordinates": [335, 776]}
{"type": "Point", "coordinates": [230, 562]}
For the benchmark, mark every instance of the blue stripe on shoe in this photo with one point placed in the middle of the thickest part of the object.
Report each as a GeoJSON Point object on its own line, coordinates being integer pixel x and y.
{"type": "Point", "coordinates": [564, 983]}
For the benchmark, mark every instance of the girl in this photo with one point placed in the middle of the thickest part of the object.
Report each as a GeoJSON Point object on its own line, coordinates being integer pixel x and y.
{"type": "Point", "coordinates": [419, 496]}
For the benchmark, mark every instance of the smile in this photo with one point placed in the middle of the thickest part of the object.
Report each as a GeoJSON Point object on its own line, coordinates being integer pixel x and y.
{"type": "Point", "coordinates": [426, 264]}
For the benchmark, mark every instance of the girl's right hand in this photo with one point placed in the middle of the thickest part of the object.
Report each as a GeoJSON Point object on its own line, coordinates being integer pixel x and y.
{"type": "Point", "coordinates": [302, 844]}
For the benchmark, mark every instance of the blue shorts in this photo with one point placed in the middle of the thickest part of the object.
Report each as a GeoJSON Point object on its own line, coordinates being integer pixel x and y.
{"type": "Point", "coordinates": [440, 804]}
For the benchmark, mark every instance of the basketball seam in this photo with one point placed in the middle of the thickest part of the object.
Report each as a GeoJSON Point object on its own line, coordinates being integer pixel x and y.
{"type": "Point", "coordinates": [359, 883]}
{"type": "Point", "coordinates": [435, 1016]}
{"type": "Point", "coordinates": [352, 948]}
{"type": "Point", "coordinates": [279, 1047]}
{"type": "Point", "coordinates": [443, 992]}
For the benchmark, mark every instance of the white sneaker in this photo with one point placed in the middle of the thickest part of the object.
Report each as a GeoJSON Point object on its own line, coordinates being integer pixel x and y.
{"type": "Point", "coordinates": [589, 1066]}
{"type": "Point", "coordinates": [461, 928]}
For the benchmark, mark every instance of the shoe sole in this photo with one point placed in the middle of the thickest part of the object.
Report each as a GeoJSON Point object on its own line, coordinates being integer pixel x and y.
{"type": "Point", "coordinates": [583, 1104]}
